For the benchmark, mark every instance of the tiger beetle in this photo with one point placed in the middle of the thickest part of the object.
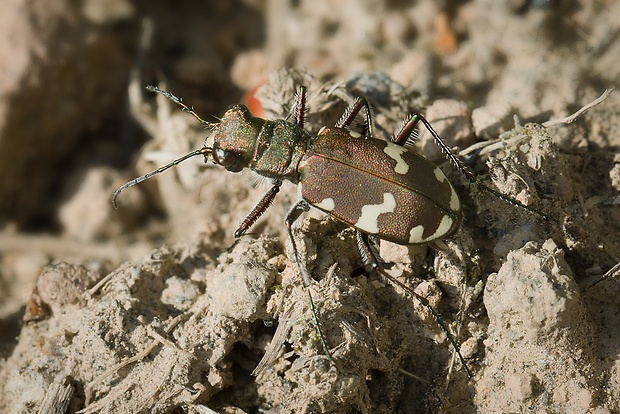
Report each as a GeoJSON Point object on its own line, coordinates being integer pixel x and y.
{"type": "Point", "coordinates": [380, 188]}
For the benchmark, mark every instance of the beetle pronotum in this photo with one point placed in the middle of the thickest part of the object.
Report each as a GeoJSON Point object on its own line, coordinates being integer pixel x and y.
{"type": "Point", "coordinates": [390, 193]}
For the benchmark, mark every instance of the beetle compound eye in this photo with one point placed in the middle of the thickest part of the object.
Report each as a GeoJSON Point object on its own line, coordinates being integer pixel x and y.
{"type": "Point", "coordinates": [224, 158]}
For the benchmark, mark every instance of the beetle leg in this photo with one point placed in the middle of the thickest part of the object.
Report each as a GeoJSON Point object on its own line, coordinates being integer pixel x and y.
{"type": "Point", "coordinates": [300, 106]}
{"type": "Point", "coordinates": [368, 249]}
{"type": "Point", "coordinates": [259, 209]}
{"type": "Point", "coordinates": [405, 132]}
{"type": "Point", "coordinates": [294, 213]}
{"type": "Point", "coordinates": [298, 209]}
{"type": "Point", "coordinates": [401, 138]}
{"type": "Point", "coordinates": [351, 112]}
{"type": "Point", "coordinates": [371, 258]}
{"type": "Point", "coordinates": [435, 314]}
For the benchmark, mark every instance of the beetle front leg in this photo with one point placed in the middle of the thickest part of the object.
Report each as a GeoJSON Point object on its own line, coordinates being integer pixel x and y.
{"type": "Point", "coordinates": [259, 209]}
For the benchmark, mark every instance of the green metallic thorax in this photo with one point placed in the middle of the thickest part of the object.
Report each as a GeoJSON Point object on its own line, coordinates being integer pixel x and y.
{"type": "Point", "coordinates": [272, 149]}
{"type": "Point", "coordinates": [279, 148]}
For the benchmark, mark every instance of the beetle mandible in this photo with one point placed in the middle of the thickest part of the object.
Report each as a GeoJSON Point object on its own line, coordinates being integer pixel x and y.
{"type": "Point", "coordinates": [378, 187]}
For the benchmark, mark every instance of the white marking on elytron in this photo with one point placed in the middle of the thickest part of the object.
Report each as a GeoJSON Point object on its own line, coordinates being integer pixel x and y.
{"type": "Point", "coordinates": [415, 235]}
{"type": "Point", "coordinates": [321, 130]}
{"type": "Point", "coordinates": [441, 177]}
{"type": "Point", "coordinates": [455, 203]}
{"type": "Point", "coordinates": [370, 214]}
{"type": "Point", "coordinates": [395, 152]}
{"type": "Point", "coordinates": [326, 204]}
{"type": "Point", "coordinates": [444, 228]}
{"type": "Point", "coordinates": [355, 134]}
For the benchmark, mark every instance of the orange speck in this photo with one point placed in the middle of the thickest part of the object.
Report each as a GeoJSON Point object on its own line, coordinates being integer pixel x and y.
{"type": "Point", "coordinates": [445, 41]}
{"type": "Point", "coordinates": [253, 104]}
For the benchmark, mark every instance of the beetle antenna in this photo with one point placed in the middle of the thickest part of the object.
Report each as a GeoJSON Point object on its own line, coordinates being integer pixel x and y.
{"type": "Point", "coordinates": [179, 102]}
{"type": "Point", "coordinates": [203, 151]}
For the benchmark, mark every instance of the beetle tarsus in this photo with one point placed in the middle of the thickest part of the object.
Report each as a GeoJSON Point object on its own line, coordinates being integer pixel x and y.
{"type": "Point", "coordinates": [436, 316]}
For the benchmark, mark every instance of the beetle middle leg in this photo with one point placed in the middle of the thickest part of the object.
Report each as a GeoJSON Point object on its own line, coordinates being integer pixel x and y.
{"type": "Point", "coordinates": [352, 111]}
{"type": "Point", "coordinates": [294, 213]}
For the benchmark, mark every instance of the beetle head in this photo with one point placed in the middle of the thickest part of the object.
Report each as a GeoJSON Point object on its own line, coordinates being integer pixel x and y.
{"type": "Point", "coordinates": [231, 142]}
{"type": "Point", "coordinates": [233, 139]}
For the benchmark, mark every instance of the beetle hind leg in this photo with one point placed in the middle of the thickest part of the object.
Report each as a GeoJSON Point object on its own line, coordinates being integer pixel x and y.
{"type": "Point", "coordinates": [371, 258]}
{"type": "Point", "coordinates": [369, 249]}
{"type": "Point", "coordinates": [409, 127]}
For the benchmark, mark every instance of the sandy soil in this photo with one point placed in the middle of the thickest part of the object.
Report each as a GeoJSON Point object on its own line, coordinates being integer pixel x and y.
{"type": "Point", "coordinates": [156, 307]}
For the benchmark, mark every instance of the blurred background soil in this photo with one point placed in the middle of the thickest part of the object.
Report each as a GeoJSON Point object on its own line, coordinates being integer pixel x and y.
{"type": "Point", "coordinates": [155, 307]}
